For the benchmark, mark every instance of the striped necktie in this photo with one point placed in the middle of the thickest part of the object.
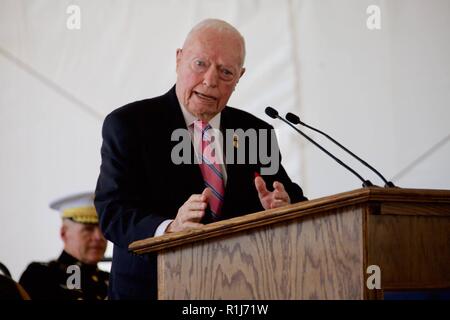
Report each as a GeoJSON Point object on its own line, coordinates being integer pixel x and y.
{"type": "Point", "coordinates": [210, 168]}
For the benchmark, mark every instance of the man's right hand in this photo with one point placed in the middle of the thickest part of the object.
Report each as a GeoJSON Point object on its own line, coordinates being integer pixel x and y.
{"type": "Point", "coordinates": [190, 213]}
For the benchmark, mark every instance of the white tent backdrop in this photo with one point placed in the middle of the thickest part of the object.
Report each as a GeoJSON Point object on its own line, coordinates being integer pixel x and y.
{"type": "Point", "coordinates": [382, 93]}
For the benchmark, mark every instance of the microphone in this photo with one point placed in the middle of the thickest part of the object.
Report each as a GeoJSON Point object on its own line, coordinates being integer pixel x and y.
{"type": "Point", "coordinates": [296, 120]}
{"type": "Point", "coordinates": [271, 112]}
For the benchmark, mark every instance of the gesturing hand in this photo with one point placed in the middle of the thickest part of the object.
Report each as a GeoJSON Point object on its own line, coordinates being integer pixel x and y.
{"type": "Point", "coordinates": [275, 199]}
{"type": "Point", "coordinates": [190, 213]}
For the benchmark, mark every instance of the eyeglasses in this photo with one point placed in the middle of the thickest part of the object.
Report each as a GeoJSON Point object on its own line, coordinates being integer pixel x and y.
{"type": "Point", "coordinates": [202, 66]}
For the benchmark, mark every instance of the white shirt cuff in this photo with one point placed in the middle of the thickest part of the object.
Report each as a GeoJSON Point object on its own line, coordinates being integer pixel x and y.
{"type": "Point", "coordinates": [162, 228]}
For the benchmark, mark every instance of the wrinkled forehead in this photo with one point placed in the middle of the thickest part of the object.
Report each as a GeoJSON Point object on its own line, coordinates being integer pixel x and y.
{"type": "Point", "coordinates": [224, 46]}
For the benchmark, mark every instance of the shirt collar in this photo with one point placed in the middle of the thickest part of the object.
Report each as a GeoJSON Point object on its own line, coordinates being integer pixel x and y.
{"type": "Point", "coordinates": [190, 118]}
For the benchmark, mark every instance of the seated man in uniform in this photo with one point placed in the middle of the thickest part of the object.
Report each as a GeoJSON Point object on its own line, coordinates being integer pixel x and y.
{"type": "Point", "coordinates": [74, 275]}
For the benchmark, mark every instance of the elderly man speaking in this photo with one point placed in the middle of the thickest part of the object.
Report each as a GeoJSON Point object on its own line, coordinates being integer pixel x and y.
{"type": "Point", "coordinates": [143, 191]}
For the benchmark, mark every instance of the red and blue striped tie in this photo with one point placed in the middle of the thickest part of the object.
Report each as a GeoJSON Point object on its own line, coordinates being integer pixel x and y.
{"type": "Point", "coordinates": [210, 168]}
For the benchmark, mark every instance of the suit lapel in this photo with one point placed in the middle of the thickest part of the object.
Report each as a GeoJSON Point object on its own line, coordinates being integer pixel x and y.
{"type": "Point", "coordinates": [188, 176]}
{"type": "Point", "coordinates": [240, 192]}
{"type": "Point", "coordinates": [226, 123]}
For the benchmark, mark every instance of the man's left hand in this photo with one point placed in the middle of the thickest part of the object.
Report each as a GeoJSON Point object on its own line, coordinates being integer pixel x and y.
{"type": "Point", "coordinates": [275, 199]}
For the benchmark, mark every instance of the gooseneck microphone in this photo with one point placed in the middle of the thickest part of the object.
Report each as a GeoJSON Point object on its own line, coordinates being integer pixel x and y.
{"type": "Point", "coordinates": [296, 120]}
{"type": "Point", "coordinates": [271, 112]}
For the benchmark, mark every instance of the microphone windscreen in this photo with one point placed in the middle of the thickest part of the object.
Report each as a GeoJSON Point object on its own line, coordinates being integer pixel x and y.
{"type": "Point", "coordinates": [292, 118]}
{"type": "Point", "coordinates": [271, 112]}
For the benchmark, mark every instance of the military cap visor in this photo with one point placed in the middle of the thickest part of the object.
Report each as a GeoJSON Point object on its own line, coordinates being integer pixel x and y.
{"type": "Point", "coordinates": [78, 207]}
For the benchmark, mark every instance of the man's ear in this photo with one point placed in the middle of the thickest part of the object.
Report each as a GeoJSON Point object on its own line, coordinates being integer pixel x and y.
{"type": "Point", "coordinates": [240, 76]}
{"type": "Point", "coordinates": [63, 232]}
{"type": "Point", "coordinates": [242, 73]}
{"type": "Point", "coordinates": [178, 56]}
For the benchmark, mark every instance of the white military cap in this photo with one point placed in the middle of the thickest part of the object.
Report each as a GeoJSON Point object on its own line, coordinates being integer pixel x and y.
{"type": "Point", "coordinates": [77, 207]}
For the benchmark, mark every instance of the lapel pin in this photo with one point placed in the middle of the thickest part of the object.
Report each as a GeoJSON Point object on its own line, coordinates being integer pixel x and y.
{"type": "Point", "coordinates": [235, 141]}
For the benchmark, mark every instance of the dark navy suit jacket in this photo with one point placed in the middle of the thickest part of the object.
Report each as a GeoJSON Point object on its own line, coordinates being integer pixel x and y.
{"type": "Point", "coordinates": [139, 186]}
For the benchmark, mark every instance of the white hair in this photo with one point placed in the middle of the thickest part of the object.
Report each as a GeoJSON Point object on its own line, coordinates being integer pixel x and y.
{"type": "Point", "coordinates": [219, 26]}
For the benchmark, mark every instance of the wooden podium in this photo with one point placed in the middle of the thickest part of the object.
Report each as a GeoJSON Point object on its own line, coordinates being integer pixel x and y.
{"type": "Point", "coordinates": [318, 249]}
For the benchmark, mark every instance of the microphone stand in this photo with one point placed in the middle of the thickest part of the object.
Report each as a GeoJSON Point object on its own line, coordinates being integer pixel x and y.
{"type": "Point", "coordinates": [274, 114]}
{"type": "Point", "coordinates": [296, 120]}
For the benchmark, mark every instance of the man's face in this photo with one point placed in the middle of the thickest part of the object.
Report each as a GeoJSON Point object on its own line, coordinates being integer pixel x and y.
{"type": "Point", "coordinates": [83, 241]}
{"type": "Point", "coordinates": [208, 69]}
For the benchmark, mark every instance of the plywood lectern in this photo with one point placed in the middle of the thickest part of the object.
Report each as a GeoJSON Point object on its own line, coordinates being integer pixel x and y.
{"type": "Point", "coordinates": [317, 249]}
